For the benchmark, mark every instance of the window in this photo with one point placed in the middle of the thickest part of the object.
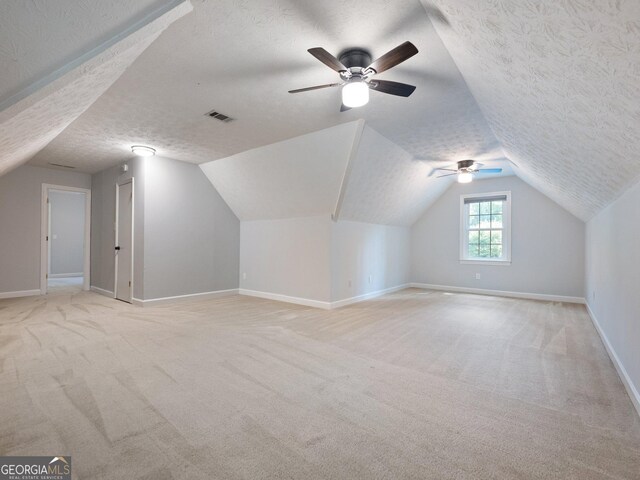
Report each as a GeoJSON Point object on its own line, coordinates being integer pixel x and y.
{"type": "Point", "coordinates": [485, 228]}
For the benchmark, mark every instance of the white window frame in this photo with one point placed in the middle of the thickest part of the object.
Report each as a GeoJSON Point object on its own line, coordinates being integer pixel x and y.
{"type": "Point", "coordinates": [506, 230]}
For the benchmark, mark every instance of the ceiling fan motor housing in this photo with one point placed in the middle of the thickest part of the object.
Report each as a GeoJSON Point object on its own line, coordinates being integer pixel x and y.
{"type": "Point", "coordinates": [355, 57]}
{"type": "Point", "coordinates": [465, 164]}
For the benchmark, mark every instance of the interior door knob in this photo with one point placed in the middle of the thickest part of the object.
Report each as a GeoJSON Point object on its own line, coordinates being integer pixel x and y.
{"type": "Point", "coordinates": [117, 248]}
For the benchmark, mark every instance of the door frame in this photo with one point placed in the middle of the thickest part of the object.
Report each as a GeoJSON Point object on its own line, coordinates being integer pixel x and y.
{"type": "Point", "coordinates": [116, 253]}
{"type": "Point", "coordinates": [45, 222]}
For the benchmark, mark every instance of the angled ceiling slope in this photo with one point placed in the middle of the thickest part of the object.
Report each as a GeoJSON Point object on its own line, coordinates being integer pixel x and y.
{"type": "Point", "coordinates": [349, 171]}
{"type": "Point", "coordinates": [41, 96]}
{"type": "Point", "coordinates": [557, 81]}
{"type": "Point", "coordinates": [299, 177]}
{"type": "Point", "coordinates": [386, 184]}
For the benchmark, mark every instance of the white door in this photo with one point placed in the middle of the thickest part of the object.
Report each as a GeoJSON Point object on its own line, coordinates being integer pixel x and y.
{"type": "Point", "coordinates": [124, 242]}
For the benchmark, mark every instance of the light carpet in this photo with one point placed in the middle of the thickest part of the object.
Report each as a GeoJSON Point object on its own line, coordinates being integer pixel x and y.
{"type": "Point", "coordinates": [416, 384]}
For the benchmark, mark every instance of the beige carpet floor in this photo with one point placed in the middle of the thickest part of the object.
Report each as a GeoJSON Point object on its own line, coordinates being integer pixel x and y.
{"type": "Point", "coordinates": [416, 384]}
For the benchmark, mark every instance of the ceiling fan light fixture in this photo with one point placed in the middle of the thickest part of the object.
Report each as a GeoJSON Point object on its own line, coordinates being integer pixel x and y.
{"type": "Point", "coordinates": [465, 177]}
{"type": "Point", "coordinates": [143, 151]}
{"type": "Point", "coordinates": [355, 93]}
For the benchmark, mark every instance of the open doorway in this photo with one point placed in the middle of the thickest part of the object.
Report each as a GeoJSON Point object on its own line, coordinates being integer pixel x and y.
{"type": "Point", "coordinates": [65, 239]}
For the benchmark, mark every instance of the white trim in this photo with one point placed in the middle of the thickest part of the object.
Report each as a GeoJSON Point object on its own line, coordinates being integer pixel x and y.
{"type": "Point", "coordinates": [44, 234]}
{"type": "Point", "coordinates": [102, 291]}
{"type": "Point", "coordinates": [506, 230]}
{"type": "Point", "coordinates": [115, 252]}
{"type": "Point", "coordinates": [94, 52]}
{"type": "Point", "coordinates": [367, 296]}
{"type": "Point", "coordinates": [65, 275]}
{"type": "Point", "coordinates": [318, 303]}
{"type": "Point", "coordinates": [182, 298]}
{"type": "Point", "coordinates": [20, 293]}
{"type": "Point", "coordinates": [499, 263]}
{"type": "Point", "coordinates": [285, 298]}
{"type": "Point", "coordinates": [500, 293]}
{"type": "Point", "coordinates": [622, 372]}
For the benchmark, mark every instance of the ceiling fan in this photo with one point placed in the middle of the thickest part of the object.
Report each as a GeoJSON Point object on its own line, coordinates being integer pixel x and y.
{"type": "Point", "coordinates": [356, 69]}
{"type": "Point", "coordinates": [465, 170]}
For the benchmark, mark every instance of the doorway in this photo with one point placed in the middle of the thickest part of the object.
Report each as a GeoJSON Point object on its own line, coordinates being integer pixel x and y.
{"type": "Point", "coordinates": [123, 289]}
{"type": "Point", "coordinates": [65, 247]}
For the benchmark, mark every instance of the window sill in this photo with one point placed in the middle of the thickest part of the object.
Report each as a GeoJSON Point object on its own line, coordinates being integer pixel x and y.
{"type": "Point", "coordinates": [501, 263]}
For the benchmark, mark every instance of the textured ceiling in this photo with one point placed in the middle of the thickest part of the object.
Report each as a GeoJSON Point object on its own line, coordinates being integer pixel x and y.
{"type": "Point", "coordinates": [298, 177]}
{"type": "Point", "coordinates": [32, 122]}
{"type": "Point", "coordinates": [240, 57]}
{"type": "Point", "coordinates": [559, 84]}
{"type": "Point", "coordinates": [39, 38]}
{"type": "Point", "coordinates": [553, 85]}
{"type": "Point", "coordinates": [386, 185]}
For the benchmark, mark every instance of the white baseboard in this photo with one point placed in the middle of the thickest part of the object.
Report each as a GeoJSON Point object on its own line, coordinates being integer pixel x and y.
{"type": "Point", "coordinates": [367, 296]}
{"type": "Point", "coordinates": [21, 293]}
{"type": "Point", "coordinates": [286, 298]}
{"type": "Point", "coordinates": [183, 298]}
{"type": "Point", "coordinates": [318, 303]}
{"type": "Point", "coordinates": [622, 372]}
{"type": "Point", "coordinates": [500, 293]}
{"type": "Point", "coordinates": [65, 275]}
{"type": "Point", "coordinates": [102, 291]}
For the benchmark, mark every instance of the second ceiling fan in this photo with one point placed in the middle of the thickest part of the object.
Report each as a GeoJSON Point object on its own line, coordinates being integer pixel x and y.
{"type": "Point", "coordinates": [356, 71]}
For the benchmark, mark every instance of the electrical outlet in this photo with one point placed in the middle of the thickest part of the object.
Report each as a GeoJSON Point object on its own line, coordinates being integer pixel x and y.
{"type": "Point", "coordinates": [477, 276]}
{"type": "Point", "coordinates": [593, 295]}
{"type": "Point", "coordinates": [244, 275]}
{"type": "Point", "coordinates": [370, 278]}
{"type": "Point", "coordinates": [349, 283]}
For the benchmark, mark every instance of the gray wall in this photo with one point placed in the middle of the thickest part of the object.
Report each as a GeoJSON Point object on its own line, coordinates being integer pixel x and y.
{"type": "Point", "coordinates": [367, 258]}
{"type": "Point", "coordinates": [67, 232]}
{"type": "Point", "coordinates": [289, 257]}
{"type": "Point", "coordinates": [314, 258]}
{"type": "Point", "coordinates": [20, 202]}
{"type": "Point", "coordinates": [191, 236]}
{"type": "Point", "coordinates": [613, 278]}
{"type": "Point", "coordinates": [547, 245]}
{"type": "Point", "coordinates": [103, 215]}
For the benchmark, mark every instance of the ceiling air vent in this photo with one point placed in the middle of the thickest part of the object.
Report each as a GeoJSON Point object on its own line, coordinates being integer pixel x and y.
{"type": "Point", "coordinates": [60, 165]}
{"type": "Point", "coordinates": [219, 116]}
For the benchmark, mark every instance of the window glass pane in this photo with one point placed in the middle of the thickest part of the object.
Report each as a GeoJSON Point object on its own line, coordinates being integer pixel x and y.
{"type": "Point", "coordinates": [473, 237]}
{"type": "Point", "coordinates": [484, 238]}
{"type": "Point", "coordinates": [473, 250]}
{"type": "Point", "coordinates": [496, 221]}
{"type": "Point", "coordinates": [485, 221]}
{"type": "Point", "coordinates": [484, 251]}
{"type": "Point", "coordinates": [496, 251]}
{"type": "Point", "coordinates": [485, 208]}
{"type": "Point", "coordinates": [496, 206]}
{"type": "Point", "coordinates": [474, 221]}
{"type": "Point", "coordinates": [496, 237]}
{"type": "Point", "coordinates": [474, 209]}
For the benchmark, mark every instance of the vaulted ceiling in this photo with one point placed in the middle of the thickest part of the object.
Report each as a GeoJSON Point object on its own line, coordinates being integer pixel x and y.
{"type": "Point", "coordinates": [558, 82]}
{"type": "Point", "coordinates": [57, 58]}
{"type": "Point", "coordinates": [551, 85]}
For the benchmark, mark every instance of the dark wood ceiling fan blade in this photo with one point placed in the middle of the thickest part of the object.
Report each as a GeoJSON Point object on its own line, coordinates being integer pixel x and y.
{"type": "Point", "coordinates": [392, 88]}
{"type": "Point", "coordinates": [344, 108]}
{"type": "Point", "coordinates": [393, 57]}
{"type": "Point", "coordinates": [317, 87]}
{"type": "Point", "coordinates": [328, 59]}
